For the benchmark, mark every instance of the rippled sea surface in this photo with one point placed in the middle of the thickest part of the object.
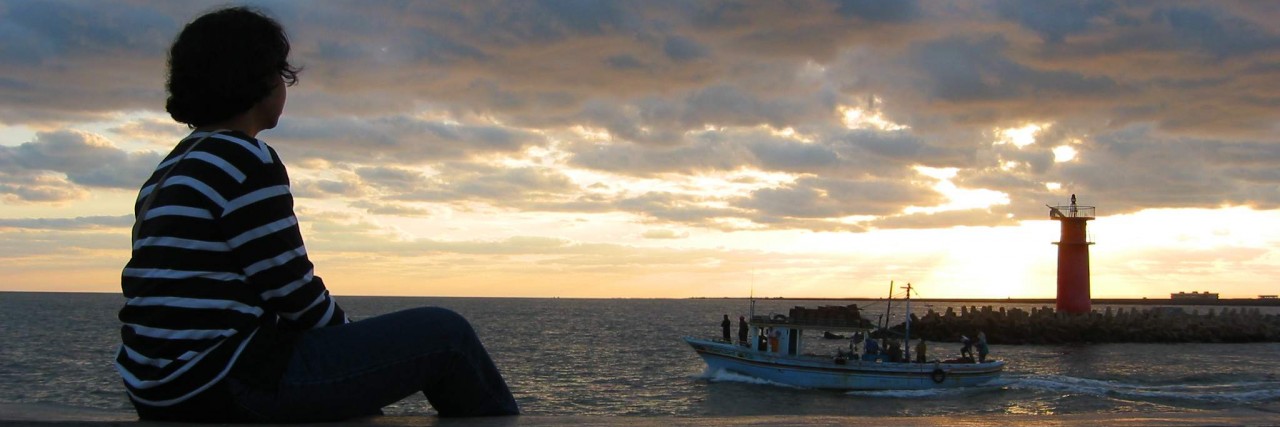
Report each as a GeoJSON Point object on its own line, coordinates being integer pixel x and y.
{"type": "Point", "coordinates": [624, 357]}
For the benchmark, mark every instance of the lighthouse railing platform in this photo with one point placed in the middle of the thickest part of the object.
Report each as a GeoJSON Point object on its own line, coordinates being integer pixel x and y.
{"type": "Point", "coordinates": [1071, 211]}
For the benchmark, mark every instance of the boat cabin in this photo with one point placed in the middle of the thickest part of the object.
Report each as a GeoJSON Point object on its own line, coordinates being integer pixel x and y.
{"type": "Point", "coordinates": [784, 334]}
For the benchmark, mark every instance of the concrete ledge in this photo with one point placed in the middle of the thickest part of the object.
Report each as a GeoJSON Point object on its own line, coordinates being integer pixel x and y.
{"type": "Point", "coordinates": [12, 414]}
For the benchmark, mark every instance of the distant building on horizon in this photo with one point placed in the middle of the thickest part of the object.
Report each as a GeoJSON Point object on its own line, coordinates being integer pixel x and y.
{"type": "Point", "coordinates": [1198, 296]}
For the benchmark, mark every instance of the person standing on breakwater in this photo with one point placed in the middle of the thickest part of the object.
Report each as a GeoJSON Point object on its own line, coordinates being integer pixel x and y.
{"type": "Point", "coordinates": [225, 320]}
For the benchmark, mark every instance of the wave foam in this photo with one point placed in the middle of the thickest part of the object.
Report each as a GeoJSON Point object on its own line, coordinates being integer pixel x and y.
{"type": "Point", "coordinates": [1239, 392]}
{"type": "Point", "coordinates": [721, 375]}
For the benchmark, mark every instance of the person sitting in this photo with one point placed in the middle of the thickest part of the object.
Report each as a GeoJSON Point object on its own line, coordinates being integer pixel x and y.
{"type": "Point", "coordinates": [872, 349]}
{"type": "Point", "coordinates": [895, 351]}
{"type": "Point", "coordinates": [224, 319]}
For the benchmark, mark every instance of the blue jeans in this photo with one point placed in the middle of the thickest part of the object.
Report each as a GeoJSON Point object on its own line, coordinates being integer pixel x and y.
{"type": "Point", "coordinates": [356, 369]}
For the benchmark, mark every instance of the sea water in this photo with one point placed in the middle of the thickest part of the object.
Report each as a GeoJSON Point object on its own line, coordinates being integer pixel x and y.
{"type": "Point", "coordinates": [624, 357]}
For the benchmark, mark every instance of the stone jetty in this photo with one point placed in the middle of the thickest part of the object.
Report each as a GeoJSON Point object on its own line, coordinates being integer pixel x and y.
{"type": "Point", "coordinates": [1045, 326]}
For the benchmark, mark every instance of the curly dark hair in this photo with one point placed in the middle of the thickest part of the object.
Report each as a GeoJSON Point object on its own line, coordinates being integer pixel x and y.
{"type": "Point", "coordinates": [223, 63]}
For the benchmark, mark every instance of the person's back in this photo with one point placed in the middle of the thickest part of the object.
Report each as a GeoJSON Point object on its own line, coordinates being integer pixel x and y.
{"type": "Point", "coordinates": [203, 287]}
{"type": "Point", "coordinates": [224, 319]}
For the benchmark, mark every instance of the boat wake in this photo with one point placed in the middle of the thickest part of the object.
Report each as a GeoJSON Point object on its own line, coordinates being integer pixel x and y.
{"type": "Point", "coordinates": [1236, 393]}
{"type": "Point", "coordinates": [913, 394]}
{"type": "Point", "coordinates": [721, 375]}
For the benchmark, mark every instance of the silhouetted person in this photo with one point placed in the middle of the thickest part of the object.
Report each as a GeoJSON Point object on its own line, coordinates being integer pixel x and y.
{"type": "Point", "coordinates": [982, 347]}
{"type": "Point", "coordinates": [742, 330]}
{"type": "Point", "coordinates": [920, 350]}
{"type": "Point", "coordinates": [724, 327]}
{"type": "Point", "coordinates": [966, 349]}
{"type": "Point", "coordinates": [871, 346]}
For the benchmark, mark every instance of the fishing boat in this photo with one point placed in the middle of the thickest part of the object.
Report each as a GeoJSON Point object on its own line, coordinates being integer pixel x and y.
{"type": "Point", "coordinates": [775, 351]}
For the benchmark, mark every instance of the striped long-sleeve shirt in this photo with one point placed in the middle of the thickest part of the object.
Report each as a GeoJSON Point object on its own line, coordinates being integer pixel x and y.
{"type": "Point", "coordinates": [217, 254]}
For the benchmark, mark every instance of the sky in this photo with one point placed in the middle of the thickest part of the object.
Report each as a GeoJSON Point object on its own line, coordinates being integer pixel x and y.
{"type": "Point", "coordinates": [671, 149]}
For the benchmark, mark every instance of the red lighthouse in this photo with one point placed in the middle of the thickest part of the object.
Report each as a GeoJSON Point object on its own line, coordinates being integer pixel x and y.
{"type": "Point", "coordinates": [1073, 257]}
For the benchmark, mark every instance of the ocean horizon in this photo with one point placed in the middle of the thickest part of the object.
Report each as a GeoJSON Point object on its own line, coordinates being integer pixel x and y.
{"type": "Point", "coordinates": [625, 357]}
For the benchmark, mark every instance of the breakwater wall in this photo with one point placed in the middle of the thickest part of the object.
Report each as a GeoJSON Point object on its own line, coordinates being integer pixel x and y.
{"type": "Point", "coordinates": [1046, 326]}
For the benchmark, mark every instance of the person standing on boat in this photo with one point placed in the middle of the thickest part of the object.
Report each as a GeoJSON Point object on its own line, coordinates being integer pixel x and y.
{"type": "Point", "coordinates": [966, 349]}
{"type": "Point", "coordinates": [742, 330]}
{"type": "Point", "coordinates": [982, 347]}
{"type": "Point", "coordinates": [920, 350]}
{"type": "Point", "coordinates": [724, 327]}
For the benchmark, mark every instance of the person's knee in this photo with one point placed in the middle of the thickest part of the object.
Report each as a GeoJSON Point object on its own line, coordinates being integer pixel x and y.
{"type": "Point", "coordinates": [440, 322]}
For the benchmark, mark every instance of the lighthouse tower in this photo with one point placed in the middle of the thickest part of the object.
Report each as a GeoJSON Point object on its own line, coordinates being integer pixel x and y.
{"type": "Point", "coordinates": [1073, 257]}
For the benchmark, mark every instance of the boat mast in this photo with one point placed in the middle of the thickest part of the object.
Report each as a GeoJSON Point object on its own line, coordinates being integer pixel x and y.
{"type": "Point", "coordinates": [906, 340]}
{"type": "Point", "coordinates": [888, 305]}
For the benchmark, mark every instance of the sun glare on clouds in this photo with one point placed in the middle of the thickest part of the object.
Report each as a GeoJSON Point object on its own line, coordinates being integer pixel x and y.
{"type": "Point", "coordinates": [863, 118]}
{"type": "Point", "coordinates": [957, 198]}
{"type": "Point", "coordinates": [1019, 136]}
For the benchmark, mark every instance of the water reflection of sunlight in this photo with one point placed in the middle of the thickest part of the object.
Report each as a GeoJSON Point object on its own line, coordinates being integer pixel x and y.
{"type": "Point", "coordinates": [1030, 407]}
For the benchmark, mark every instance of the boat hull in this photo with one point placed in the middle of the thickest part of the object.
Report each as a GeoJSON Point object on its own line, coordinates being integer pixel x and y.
{"type": "Point", "coordinates": [823, 373]}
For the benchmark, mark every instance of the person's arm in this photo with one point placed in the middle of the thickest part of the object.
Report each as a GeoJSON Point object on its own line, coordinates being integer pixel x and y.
{"type": "Point", "coordinates": [263, 233]}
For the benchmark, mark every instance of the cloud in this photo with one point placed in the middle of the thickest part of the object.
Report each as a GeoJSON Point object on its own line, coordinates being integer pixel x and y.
{"type": "Point", "coordinates": [392, 208]}
{"type": "Point", "coordinates": [57, 166]}
{"type": "Point", "coordinates": [532, 188]}
{"type": "Point", "coordinates": [968, 217]}
{"type": "Point", "coordinates": [879, 11]}
{"type": "Point", "coordinates": [417, 104]}
{"type": "Point", "coordinates": [1136, 170]}
{"type": "Point", "coordinates": [50, 245]}
{"type": "Point", "coordinates": [404, 140]}
{"type": "Point", "coordinates": [77, 223]}
{"type": "Point", "coordinates": [663, 234]}
{"type": "Point", "coordinates": [1056, 20]}
{"type": "Point", "coordinates": [816, 198]}
{"type": "Point", "coordinates": [70, 61]}
{"type": "Point", "coordinates": [966, 70]}
{"type": "Point", "coordinates": [682, 49]}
